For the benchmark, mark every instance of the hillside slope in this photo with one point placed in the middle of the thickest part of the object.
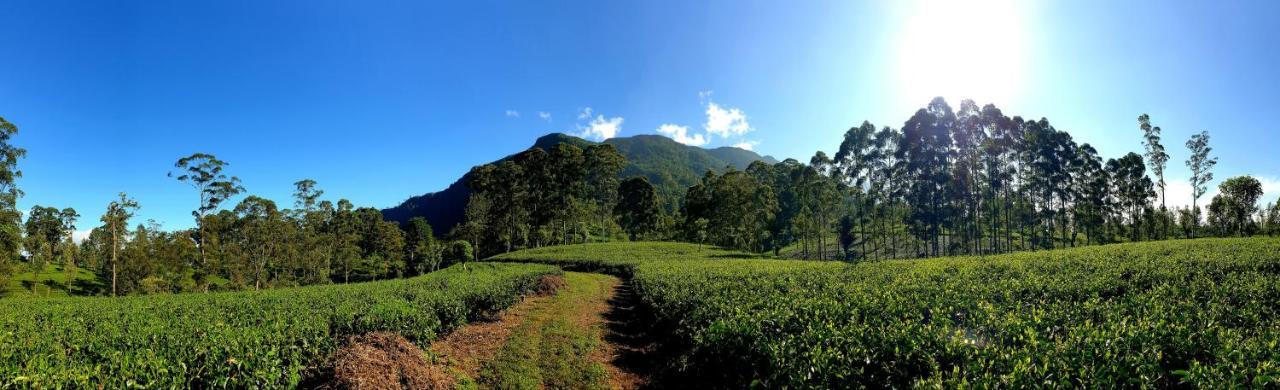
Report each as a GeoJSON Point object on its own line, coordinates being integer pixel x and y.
{"type": "Point", "coordinates": [671, 166]}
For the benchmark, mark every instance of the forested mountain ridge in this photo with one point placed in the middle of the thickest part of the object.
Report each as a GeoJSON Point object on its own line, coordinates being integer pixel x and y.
{"type": "Point", "coordinates": [670, 166]}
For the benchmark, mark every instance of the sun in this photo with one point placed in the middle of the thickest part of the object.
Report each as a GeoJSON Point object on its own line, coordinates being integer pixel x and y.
{"type": "Point", "coordinates": [972, 49]}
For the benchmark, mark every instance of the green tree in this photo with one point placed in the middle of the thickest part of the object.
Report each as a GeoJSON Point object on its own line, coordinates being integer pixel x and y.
{"type": "Point", "coordinates": [204, 173]}
{"type": "Point", "coordinates": [67, 248]}
{"type": "Point", "coordinates": [823, 195]}
{"type": "Point", "coordinates": [306, 194]}
{"type": "Point", "coordinates": [845, 235]}
{"type": "Point", "coordinates": [44, 231]}
{"type": "Point", "coordinates": [1240, 195]}
{"type": "Point", "coordinates": [1133, 187]}
{"type": "Point", "coordinates": [420, 247]}
{"type": "Point", "coordinates": [139, 268]}
{"type": "Point", "coordinates": [1156, 156]}
{"type": "Point", "coordinates": [386, 241]}
{"type": "Point", "coordinates": [569, 189]}
{"type": "Point", "coordinates": [603, 162]}
{"type": "Point", "coordinates": [738, 208]}
{"type": "Point", "coordinates": [1093, 184]}
{"type": "Point", "coordinates": [475, 222]}
{"type": "Point", "coordinates": [856, 161]}
{"type": "Point", "coordinates": [1201, 165]}
{"type": "Point", "coordinates": [638, 210]}
{"type": "Point", "coordinates": [262, 232]}
{"type": "Point", "coordinates": [1271, 219]}
{"type": "Point", "coordinates": [925, 148]}
{"type": "Point", "coordinates": [999, 148]}
{"type": "Point", "coordinates": [345, 232]}
{"type": "Point", "coordinates": [313, 219]}
{"type": "Point", "coordinates": [459, 252]}
{"type": "Point", "coordinates": [116, 222]}
{"type": "Point", "coordinates": [10, 218]}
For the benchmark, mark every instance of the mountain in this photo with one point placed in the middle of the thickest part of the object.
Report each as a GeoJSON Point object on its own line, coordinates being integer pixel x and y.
{"type": "Point", "coordinates": [671, 166]}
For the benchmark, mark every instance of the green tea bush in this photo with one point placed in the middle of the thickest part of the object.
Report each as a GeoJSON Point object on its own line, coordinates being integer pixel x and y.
{"type": "Point", "coordinates": [619, 258]}
{"type": "Point", "coordinates": [1199, 313]}
{"type": "Point", "coordinates": [267, 339]}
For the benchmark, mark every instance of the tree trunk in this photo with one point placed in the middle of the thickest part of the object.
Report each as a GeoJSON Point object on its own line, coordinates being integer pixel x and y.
{"type": "Point", "coordinates": [115, 259]}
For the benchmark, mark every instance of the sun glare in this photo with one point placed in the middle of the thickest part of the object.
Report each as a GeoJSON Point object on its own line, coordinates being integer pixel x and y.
{"type": "Point", "coordinates": [962, 49]}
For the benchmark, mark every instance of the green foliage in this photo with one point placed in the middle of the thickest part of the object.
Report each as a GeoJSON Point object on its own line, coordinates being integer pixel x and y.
{"type": "Point", "coordinates": [1156, 156]}
{"type": "Point", "coordinates": [422, 255]}
{"type": "Point", "coordinates": [638, 210]}
{"type": "Point", "coordinates": [253, 245]}
{"type": "Point", "coordinates": [116, 224]}
{"type": "Point", "coordinates": [459, 251]}
{"type": "Point", "coordinates": [1238, 201]}
{"type": "Point", "coordinates": [1201, 166]}
{"type": "Point", "coordinates": [737, 206]}
{"type": "Point", "coordinates": [1201, 313]}
{"type": "Point", "coordinates": [268, 339]}
{"type": "Point", "coordinates": [48, 234]}
{"type": "Point", "coordinates": [671, 167]}
{"type": "Point", "coordinates": [619, 258]}
{"type": "Point", "coordinates": [204, 172]}
{"type": "Point", "coordinates": [540, 197]}
{"type": "Point", "coordinates": [52, 281]}
{"type": "Point", "coordinates": [10, 217]}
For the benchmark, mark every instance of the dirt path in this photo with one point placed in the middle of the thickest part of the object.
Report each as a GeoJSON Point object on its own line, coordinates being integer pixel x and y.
{"type": "Point", "coordinates": [630, 349]}
{"type": "Point", "coordinates": [578, 338]}
{"type": "Point", "coordinates": [468, 347]}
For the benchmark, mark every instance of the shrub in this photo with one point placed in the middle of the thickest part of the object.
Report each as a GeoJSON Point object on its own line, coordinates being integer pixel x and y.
{"type": "Point", "coordinates": [267, 339]}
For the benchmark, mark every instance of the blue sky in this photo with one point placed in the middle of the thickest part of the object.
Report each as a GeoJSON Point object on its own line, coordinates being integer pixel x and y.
{"type": "Point", "coordinates": [381, 100]}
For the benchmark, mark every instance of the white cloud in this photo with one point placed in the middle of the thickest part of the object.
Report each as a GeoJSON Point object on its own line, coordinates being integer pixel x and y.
{"type": "Point", "coordinates": [747, 145]}
{"type": "Point", "coordinates": [1270, 189]}
{"type": "Point", "coordinates": [513, 113]}
{"type": "Point", "coordinates": [725, 122]}
{"type": "Point", "coordinates": [79, 236]}
{"type": "Point", "coordinates": [681, 134]}
{"type": "Point", "coordinates": [599, 128]}
{"type": "Point", "coordinates": [704, 95]}
{"type": "Point", "coordinates": [546, 116]}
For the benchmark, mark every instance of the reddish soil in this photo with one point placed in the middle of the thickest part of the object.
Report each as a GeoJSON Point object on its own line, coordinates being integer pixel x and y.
{"type": "Point", "coordinates": [384, 360]}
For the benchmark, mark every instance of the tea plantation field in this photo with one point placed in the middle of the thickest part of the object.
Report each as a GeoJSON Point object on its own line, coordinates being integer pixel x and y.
{"type": "Point", "coordinates": [1203, 313]}
{"type": "Point", "coordinates": [268, 339]}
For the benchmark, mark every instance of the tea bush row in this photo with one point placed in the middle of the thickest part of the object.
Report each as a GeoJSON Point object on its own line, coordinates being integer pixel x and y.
{"type": "Point", "coordinates": [267, 339]}
{"type": "Point", "coordinates": [1203, 313]}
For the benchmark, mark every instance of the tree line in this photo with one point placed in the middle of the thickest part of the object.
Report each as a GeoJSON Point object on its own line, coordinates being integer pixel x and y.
{"type": "Point", "coordinates": [948, 182]}
{"type": "Point", "coordinates": [251, 244]}
{"type": "Point", "coordinates": [970, 181]}
{"type": "Point", "coordinates": [566, 195]}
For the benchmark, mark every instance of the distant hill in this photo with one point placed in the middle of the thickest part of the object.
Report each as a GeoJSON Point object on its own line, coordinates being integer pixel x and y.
{"type": "Point", "coordinates": [671, 166]}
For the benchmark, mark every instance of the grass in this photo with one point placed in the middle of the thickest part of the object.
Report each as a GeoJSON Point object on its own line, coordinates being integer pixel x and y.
{"type": "Point", "coordinates": [619, 258]}
{"type": "Point", "coordinates": [554, 345]}
{"type": "Point", "coordinates": [50, 282]}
